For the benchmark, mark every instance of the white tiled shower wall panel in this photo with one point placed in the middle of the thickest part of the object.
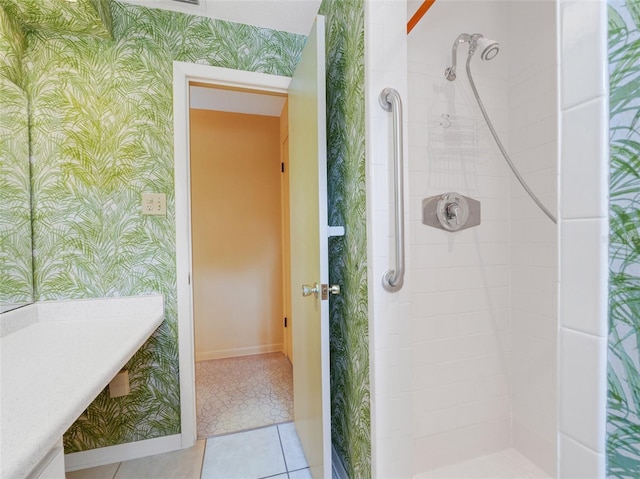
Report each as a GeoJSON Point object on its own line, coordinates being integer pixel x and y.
{"type": "Point", "coordinates": [460, 293]}
{"type": "Point", "coordinates": [584, 246]}
{"type": "Point", "coordinates": [533, 148]}
{"type": "Point", "coordinates": [386, 66]}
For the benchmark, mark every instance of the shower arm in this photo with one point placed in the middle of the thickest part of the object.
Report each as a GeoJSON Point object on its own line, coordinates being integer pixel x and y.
{"type": "Point", "coordinates": [471, 39]}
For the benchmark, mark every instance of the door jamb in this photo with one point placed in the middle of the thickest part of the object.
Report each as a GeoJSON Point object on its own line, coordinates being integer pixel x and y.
{"type": "Point", "coordinates": [183, 74]}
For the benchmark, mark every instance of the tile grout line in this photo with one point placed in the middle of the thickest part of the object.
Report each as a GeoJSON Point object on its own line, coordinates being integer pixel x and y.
{"type": "Point", "coordinates": [286, 466]}
{"type": "Point", "coordinates": [117, 469]}
{"type": "Point", "coordinates": [204, 451]}
{"type": "Point", "coordinates": [300, 469]}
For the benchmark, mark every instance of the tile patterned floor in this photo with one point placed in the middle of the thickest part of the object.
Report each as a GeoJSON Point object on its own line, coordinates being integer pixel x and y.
{"type": "Point", "coordinates": [267, 452]}
{"type": "Point", "coordinates": [508, 464]}
{"type": "Point", "coordinates": [236, 394]}
{"type": "Point", "coordinates": [273, 452]}
{"type": "Point", "coordinates": [185, 464]}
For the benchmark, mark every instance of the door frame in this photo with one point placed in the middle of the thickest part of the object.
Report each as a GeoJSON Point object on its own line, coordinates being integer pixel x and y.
{"type": "Point", "coordinates": [183, 74]}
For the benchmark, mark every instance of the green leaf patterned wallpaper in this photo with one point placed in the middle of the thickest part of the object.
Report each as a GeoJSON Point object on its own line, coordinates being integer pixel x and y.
{"type": "Point", "coordinates": [349, 330]}
{"type": "Point", "coordinates": [90, 17]}
{"type": "Point", "coordinates": [12, 44]}
{"type": "Point", "coordinates": [16, 276]}
{"type": "Point", "coordinates": [101, 134]}
{"type": "Point", "coordinates": [623, 411]}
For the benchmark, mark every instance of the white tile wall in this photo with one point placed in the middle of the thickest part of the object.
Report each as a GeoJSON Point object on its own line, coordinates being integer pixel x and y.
{"type": "Point", "coordinates": [385, 66]}
{"type": "Point", "coordinates": [460, 295]}
{"type": "Point", "coordinates": [585, 268]}
{"type": "Point", "coordinates": [583, 51]}
{"type": "Point", "coordinates": [465, 359]}
{"type": "Point", "coordinates": [585, 141]}
{"type": "Point", "coordinates": [584, 389]}
{"type": "Point", "coordinates": [534, 271]}
{"type": "Point", "coordinates": [578, 461]}
{"type": "Point", "coordinates": [583, 249]}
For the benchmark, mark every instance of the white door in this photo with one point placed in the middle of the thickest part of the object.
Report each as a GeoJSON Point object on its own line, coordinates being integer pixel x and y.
{"type": "Point", "coordinates": [309, 253]}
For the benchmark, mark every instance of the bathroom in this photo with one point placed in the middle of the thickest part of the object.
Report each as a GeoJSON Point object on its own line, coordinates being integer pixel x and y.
{"type": "Point", "coordinates": [518, 296]}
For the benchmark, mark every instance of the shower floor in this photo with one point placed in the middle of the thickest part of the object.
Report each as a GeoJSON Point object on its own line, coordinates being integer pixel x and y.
{"type": "Point", "coordinates": [234, 394]}
{"type": "Point", "coordinates": [508, 464]}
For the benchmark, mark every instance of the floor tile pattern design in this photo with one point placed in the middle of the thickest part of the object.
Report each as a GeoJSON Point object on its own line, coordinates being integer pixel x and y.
{"type": "Point", "coordinates": [273, 452]}
{"type": "Point", "coordinates": [508, 464]}
{"type": "Point", "coordinates": [260, 453]}
{"type": "Point", "coordinates": [184, 464]}
{"type": "Point", "coordinates": [247, 392]}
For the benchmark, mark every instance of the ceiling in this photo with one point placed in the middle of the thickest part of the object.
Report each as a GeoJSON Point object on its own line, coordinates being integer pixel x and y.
{"type": "Point", "coordinates": [295, 16]}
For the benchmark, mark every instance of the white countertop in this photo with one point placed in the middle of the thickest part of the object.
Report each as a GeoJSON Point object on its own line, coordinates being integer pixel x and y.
{"type": "Point", "coordinates": [52, 369]}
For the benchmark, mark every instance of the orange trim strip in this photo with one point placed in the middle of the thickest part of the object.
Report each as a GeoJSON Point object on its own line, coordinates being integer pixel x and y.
{"type": "Point", "coordinates": [426, 5]}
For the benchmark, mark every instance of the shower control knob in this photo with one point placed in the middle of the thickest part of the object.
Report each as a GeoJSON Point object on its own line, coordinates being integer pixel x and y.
{"type": "Point", "coordinates": [452, 211]}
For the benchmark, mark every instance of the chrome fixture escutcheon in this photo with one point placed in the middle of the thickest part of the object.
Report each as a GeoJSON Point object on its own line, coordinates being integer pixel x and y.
{"type": "Point", "coordinates": [450, 212]}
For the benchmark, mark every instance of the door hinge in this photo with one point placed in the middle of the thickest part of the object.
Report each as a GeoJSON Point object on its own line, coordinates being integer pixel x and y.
{"type": "Point", "coordinates": [285, 322]}
{"type": "Point", "coordinates": [189, 278]}
{"type": "Point", "coordinates": [282, 167]}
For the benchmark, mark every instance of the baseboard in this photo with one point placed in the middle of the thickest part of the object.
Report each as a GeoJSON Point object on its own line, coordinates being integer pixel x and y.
{"type": "Point", "coordinates": [336, 464]}
{"type": "Point", "coordinates": [122, 452]}
{"type": "Point", "coordinates": [232, 353]}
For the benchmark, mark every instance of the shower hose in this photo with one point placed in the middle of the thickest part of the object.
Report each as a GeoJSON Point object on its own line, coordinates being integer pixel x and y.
{"type": "Point", "coordinates": [502, 149]}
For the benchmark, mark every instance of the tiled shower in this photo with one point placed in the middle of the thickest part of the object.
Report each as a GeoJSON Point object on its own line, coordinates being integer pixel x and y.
{"type": "Point", "coordinates": [480, 351]}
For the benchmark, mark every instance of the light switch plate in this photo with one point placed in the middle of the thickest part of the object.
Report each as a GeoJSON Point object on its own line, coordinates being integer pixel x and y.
{"type": "Point", "coordinates": [154, 204]}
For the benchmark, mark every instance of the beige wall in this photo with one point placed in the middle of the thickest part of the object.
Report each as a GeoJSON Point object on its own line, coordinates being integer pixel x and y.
{"type": "Point", "coordinates": [236, 228]}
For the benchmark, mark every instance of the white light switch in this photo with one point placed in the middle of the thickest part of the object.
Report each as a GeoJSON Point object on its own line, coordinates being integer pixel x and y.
{"type": "Point", "coordinates": [154, 204]}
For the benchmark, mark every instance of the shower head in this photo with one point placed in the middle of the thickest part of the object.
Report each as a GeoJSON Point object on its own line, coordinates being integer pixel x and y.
{"type": "Point", "coordinates": [488, 48]}
{"type": "Point", "coordinates": [477, 41]}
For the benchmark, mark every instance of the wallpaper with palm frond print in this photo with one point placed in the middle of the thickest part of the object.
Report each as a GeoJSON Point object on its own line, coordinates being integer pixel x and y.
{"type": "Point", "coordinates": [16, 277]}
{"type": "Point", "coordinates": [349, 331]}
{"type": "Point", "coordinates": [102, 133]}
{"type": "Point", "coordinates": [623, 409]}
{"type": "Point", "coordinates": [12, 45]}
{"type": "Point", "coordinates": [91, 17]}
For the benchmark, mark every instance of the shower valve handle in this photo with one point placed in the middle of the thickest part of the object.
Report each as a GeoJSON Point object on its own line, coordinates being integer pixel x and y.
{"type": "Point", "coordinates": [453, 212]}
{"type": "Point", "coordinates": [450, 212]}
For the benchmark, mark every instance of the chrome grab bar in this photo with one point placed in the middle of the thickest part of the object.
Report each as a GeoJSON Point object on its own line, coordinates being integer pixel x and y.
{"type": "Point", "coordinates": [390, 100]}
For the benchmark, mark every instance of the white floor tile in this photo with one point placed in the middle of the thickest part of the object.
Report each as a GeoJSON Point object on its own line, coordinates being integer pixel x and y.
{"type": "Point", "coordinates": [301, 474]}
{"type": "Point", "coordinates": [100, 472]}
{"type": "Point", "coordinates": [293, 454]}
{"type": "Point", "coordinates": [247, 455]}
{"type": "Point", "coordinates": [184, 464]}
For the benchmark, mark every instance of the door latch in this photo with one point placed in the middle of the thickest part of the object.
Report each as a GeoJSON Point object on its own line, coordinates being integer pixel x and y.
{"type": "Point", "coordinates": [333, 289]}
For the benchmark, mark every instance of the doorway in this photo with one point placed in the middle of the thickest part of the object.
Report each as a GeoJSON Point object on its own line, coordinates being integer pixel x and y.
{"type": "Point", "coordinates": [238, 221]}
{"type": "Point", "coordinates": [186, 74]}
{"type": "Point", "coordinates": [307, 121]}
